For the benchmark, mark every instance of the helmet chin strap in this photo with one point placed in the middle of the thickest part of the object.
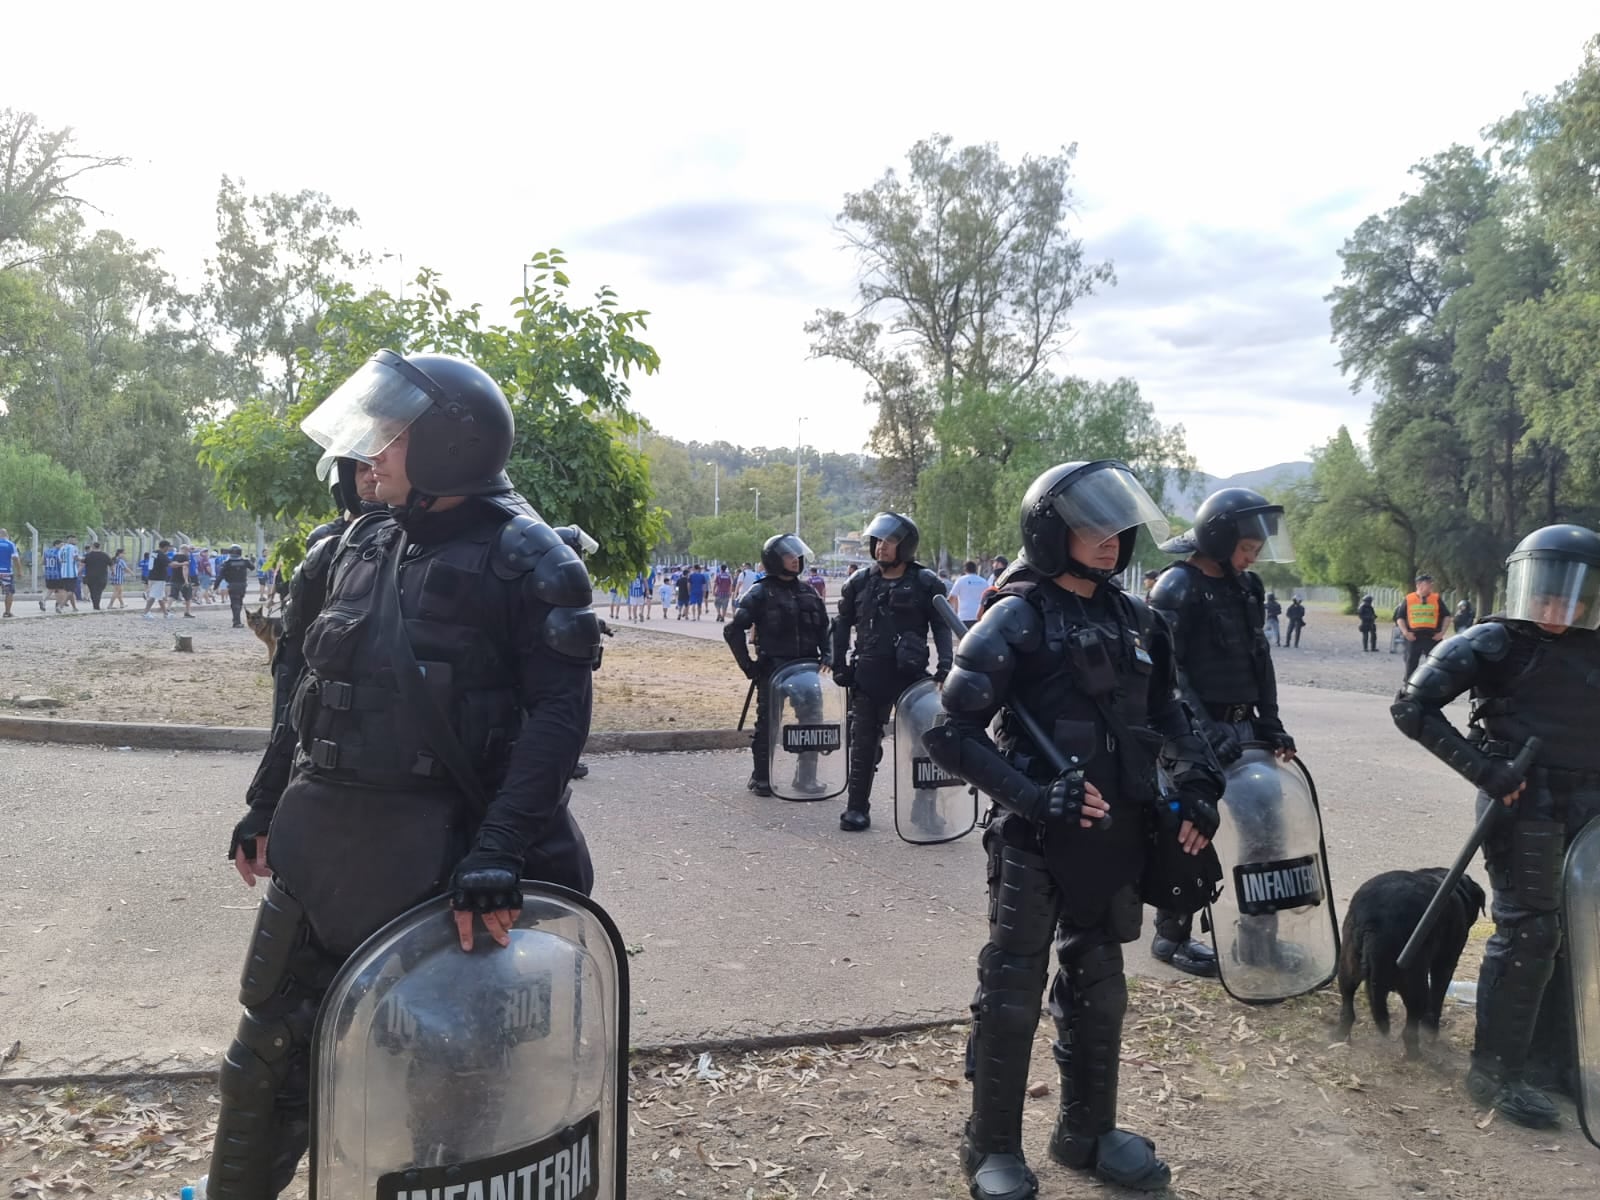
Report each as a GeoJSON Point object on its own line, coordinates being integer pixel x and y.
{"type": "Point", "coordinates": [1096, 574]}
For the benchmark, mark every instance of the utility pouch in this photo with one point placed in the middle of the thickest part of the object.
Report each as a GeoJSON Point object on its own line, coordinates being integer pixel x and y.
{"type": "Point", "coordinates": [911, 653]}
{"type": "Point", "coordinates": [1091, 661]}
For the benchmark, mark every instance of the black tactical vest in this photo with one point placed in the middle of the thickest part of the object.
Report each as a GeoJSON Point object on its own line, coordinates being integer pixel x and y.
{"type": "Point", "coordinates": [351, 722]}
{"type": "Point", "coordinates": [1549, 686]}
{"type": "Point", "coordinates": [889, 608]}
{"type": "Point", "coordinates": [1224, 648]}
{"type": "Point", "coordinates": [792, 619]}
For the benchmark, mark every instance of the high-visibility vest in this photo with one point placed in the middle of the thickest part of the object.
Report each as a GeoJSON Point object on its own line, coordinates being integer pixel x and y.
{"type": "Point", "coordinates": [1424, 615]}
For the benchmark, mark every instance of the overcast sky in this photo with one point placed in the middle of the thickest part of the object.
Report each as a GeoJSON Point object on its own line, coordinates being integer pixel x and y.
{"type": "Point", "coordinates": [693, 156]}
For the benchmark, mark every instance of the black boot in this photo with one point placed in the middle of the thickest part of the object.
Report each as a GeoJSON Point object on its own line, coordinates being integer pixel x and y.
{"type": "Point", "coordinates": [1173, 945]}
{"type": "Point", "coordinates": [759, 785]}
{"type": "Point", "coordinates": [1509, 992]}
{"type": "Point", "coordinates": [581, 771]}
{"type": "Point", "coordinates": [1089, 1008]}
{"type": "Point", "coordinates": [806, 782]}
{"type": "Point", "coordinates": [854, 820]}
{"type": "Point", "coordinates": [998, 1054]}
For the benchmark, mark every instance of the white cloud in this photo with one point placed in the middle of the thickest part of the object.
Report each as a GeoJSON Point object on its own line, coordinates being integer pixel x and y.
{"type": "Point", "coordinates": [692, 155]}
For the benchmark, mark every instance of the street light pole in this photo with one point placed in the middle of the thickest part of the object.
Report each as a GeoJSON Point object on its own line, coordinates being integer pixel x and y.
{"type": "Point", "coordinates": [716, 488]}
{"type": "Point", "coordinates": [757, 491]}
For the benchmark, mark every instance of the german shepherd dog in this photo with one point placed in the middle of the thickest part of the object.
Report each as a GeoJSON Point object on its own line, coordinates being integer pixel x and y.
{"type": "Point", "coordinates": [268, 629]}
{"type": "Point", "coordinates": [1379, 921]}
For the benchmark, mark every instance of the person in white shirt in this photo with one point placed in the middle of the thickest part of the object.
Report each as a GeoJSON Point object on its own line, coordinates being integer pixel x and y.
{"type": "Point", "coordinates": [966, 593]}
{"type": "Point", "coordinates": [742, 584]}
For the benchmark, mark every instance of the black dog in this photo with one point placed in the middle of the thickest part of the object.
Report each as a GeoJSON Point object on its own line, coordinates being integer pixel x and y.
{"type": "Point", "coordinates": [1377, 925]}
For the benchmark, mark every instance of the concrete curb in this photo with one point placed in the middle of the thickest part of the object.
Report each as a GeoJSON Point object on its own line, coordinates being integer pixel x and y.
{"type": "Point", "coordinates": [739, 1044]}
{"type": "Point", "coordinates": [253, 741]}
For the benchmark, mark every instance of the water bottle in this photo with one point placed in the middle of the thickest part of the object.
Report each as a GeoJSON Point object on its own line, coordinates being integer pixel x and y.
{"type": "Point", "coordinates": [195, 1192]}
{"type": "Point", "coordinates": [1463, 991]}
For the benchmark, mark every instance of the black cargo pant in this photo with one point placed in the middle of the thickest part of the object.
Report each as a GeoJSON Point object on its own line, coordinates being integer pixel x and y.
{"type": "Point", "coordinates": [878, 685]}
{"type": "Point", "coordinates": [1417, 650]}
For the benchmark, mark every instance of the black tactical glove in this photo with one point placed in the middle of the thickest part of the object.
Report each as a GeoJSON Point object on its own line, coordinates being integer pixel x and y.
{"type": "Point", "coordinates": [255, 823]}
{"type": "Point", "coordinates": [1271, 731]}
{"type": "Point", "coordinates": [1223, 742]}
{"type": "Point", "coordinates": [1062, 800]}
{"type": "Point", "coordinates": [749, 669]}
{"type": "Point", "coordinates": [941, 673]}
{"type": "Point", "coordinates": [1197, 805]}
{"type": "Point", "coordinates": [844, 676]}
{"type": "Point", "coordinates": [486, 881]}
{"type": "Point", "coordinates": [1499, 777]}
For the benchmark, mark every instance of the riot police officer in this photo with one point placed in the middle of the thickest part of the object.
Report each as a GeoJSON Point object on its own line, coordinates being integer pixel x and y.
{"type": "Point", "coordinates": [1215, 606]}
{"type": "Point", "coordinates": [354, 492]}
{"type": "Point", "coordinates": [790, 623]}
{"type": "Point", "coordinates": [1075, 848]}
{"type": "Point", "coordinates": [1531, 670]}
{"type": "Point", "coordinates": [890, 606]}
{"type": "Point", "coordinates": [1367, 622]}
{"type": "Point", "coordinates": [445, 697]}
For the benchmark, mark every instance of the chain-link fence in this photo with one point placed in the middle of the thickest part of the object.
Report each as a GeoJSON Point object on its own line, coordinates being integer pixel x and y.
{"type": "Point", "coordinates": [29, 568]}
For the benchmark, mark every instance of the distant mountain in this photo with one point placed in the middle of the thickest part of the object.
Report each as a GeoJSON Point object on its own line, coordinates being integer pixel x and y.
{"type": "Point", "coordinates": [1264, 479]}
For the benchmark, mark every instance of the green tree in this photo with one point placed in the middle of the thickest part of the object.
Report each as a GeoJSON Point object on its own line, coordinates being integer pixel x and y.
{"type": "Point", "coordinates": [732, 538]}
{"type": "Point", "coordinates": [35, 489]}
{"type": "Point", "coordinates": [278, 257]}
{"type": "Point", "coordinates": [564, 367]}
{"type": "Point", "coordinates": [39, 170]}
{"type": "Point", "coordinates": [996, 442]}
{"type": "Point", "coordinates": [970, 268]}
{"type": "Point", "coordinates": [1345, 534]}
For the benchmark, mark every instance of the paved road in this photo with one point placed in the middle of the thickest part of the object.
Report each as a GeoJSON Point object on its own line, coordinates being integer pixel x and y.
{"type": "Point", "coordinates": [122, 930]}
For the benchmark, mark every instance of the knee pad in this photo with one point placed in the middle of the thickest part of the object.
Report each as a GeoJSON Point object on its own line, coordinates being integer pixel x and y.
{"type": "Point", "coordinates": [1010, 991]}
{"type": "Point", "coordinates": [1099, 989]}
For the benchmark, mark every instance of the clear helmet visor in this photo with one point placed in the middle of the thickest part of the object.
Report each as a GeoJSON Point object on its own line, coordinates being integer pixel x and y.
{"type": "Point", "coordinates": [1100, 504]}
{"type": "Point", "coordinates": [365, 413]}
{"type": "Point", "coordinates": [1271, 529]}
{"type": "Point", "coordinates": [791, 544]}
{"type": "Point", "coordinates": [1553, 591]}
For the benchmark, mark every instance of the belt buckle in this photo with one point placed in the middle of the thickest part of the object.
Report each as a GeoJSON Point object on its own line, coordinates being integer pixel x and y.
{"type": "Point", "coordinates": [325, 754]}
{"type": "Point", "coordinates": [336, 694]}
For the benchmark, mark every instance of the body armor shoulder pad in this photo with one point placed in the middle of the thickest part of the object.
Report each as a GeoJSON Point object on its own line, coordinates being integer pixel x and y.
{"type": "Point", "coordinates": [318, 559]}
{"type": "Point", "coordinates": [856, 583]}
{"type": "Point", "coordinates": [573, 633]}
{"type": "Point", "coordinates": [1490, 639]}
{"type": "Point", "coordinates": [527, 546]}
{"type": "Point", "coordinates": [1176, 589]}
{"type": "Point", "coordinates": [1008, 627]}
{"type": "Point", "coordinates": [325, 532]}
{"type": "Point", "coordinates": [1253, 586]}
{"type": "Point", "coordinates": [754, 595]}
{"type": "Point", "coordinates": [1453, 666]}
{"type": "Point", "coordinates": [931, 583]}
{"type": "Point", "coordinates": [966, 689]}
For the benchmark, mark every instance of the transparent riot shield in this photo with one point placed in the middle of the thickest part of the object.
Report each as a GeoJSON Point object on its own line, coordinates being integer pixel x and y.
{"type": "Point", "coordinates": [438, 1072]}
{"type": "Point", "coordinates": [807, 754]}
{"type": "Point", "coordinates": [930, 804]}
{"type": "Point", "coordinates": [1274, 926]}
{"type": "Point", "coordinates": [1581, 892]}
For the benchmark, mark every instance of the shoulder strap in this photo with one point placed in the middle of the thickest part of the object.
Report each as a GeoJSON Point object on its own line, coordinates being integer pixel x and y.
{"type": "Point", "coordinates": [435, 724]}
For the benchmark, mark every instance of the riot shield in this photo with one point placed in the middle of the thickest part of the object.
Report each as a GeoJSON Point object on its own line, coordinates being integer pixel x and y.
{"type": "Point", "coordinates": [930, 804]}
{"type": "Point", "coordinates": [807, 757]}
{"type": "Point", "coordinates": [1274, 926]}
{"type": "Point", "coordinates": [438, 1072]}
{"type": "Point", "coordinates": [1581, 899]}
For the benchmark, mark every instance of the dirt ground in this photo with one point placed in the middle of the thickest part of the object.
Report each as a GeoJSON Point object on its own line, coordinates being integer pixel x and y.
{"type": "Point", "coordinates": [116, 667]}
{"type": "Point", "coordinates": [1245, 1103]}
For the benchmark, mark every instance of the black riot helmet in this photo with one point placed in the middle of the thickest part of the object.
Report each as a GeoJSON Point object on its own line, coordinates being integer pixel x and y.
{"type": "Point", "coordinates": [1098, 499]}
{"type": "Point", "coordinates": [891, 525]}
{"type": "Point", "coordinates": [341, 476]}
{"type": "Point", "coordinates": [461, 426]}
{"type": "Point", "coordinates": [1553, 577]}
{"type": "Point", "coordinates": [1232, 515]}
{"type": "Point", "coordinates": [772, 554]}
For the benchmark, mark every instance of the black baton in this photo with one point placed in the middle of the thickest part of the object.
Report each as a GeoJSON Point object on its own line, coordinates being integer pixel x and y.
{"type": "Point", "coordinates": [1035, 731]}
{"type": "Point", "coordinates": [745, 712]}
{"type": "Point", "coordinates": [1447, 885]}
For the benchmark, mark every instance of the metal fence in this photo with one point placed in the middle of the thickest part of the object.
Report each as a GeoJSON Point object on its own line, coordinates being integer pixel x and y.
{"type": "Point", "coordinates": [134, 543]}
